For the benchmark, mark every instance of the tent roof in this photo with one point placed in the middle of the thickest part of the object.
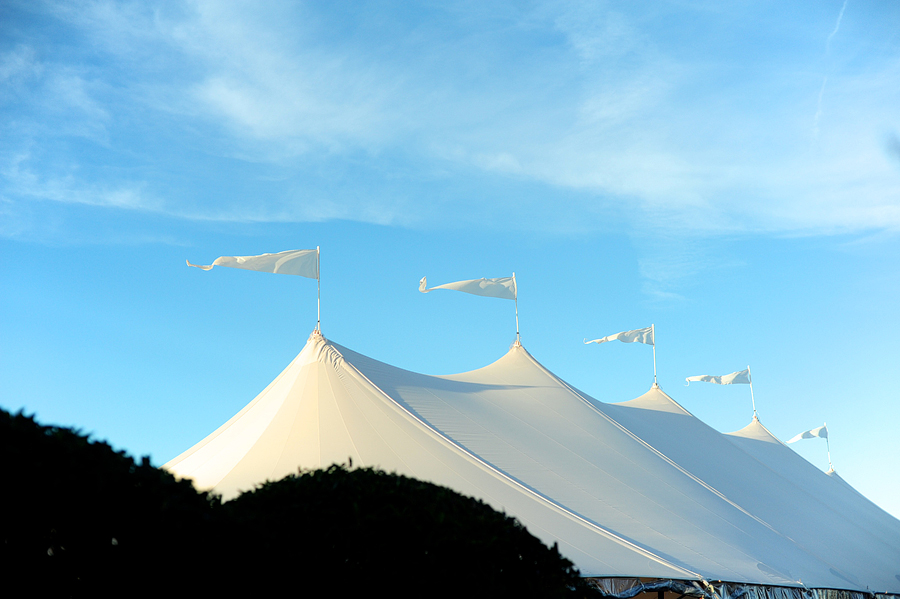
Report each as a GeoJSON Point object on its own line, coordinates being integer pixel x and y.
{"type": "Point", "coordinates": [638, 489]}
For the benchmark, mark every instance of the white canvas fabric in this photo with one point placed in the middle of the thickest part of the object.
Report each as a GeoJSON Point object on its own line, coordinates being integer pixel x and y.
{"type": "Point", "coordinates": [639, 489]}
{"type": "Point", "coordinates": [781, 490]}
{"type": "Point", "coordinates": [756, 440]}
{"type": "Point", "coordinates": [503, 287]}
{"type": "Point", "coordinates": [740, 377]}
{"type": "Point", "coordinates": [811, 434]}
{"type": "Point", "coordinates": [304, 263]}
{"type": "Point", "coordinates": [637, 335]}
{"type": "Point", "coordinates": [871, 548]}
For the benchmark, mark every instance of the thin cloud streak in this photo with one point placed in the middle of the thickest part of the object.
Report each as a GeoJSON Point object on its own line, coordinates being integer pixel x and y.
{"type": "Point", "coordinates": [837, 26]}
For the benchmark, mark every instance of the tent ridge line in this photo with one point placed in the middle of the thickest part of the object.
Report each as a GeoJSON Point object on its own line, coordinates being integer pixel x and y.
{"type": "Point", "coordinates": [602, 530]}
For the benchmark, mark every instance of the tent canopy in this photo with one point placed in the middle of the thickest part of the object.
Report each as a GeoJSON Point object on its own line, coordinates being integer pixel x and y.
{"type": "Point", "coordinates": [636, 489]}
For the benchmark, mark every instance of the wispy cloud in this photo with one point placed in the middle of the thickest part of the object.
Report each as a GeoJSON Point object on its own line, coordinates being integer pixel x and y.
{"type": "Point", "coordinates": [24, 182]}
{"type": "Point", "coordinates": [20, 180]}
{"type": "Point", "coordinates": [290, 86]}
{"type": "Point", "coordinates": [17, 66]}
{"type": "Point", "coordinates": [328, 115]}
{"type": "Point", "coordinates": [596, 31]}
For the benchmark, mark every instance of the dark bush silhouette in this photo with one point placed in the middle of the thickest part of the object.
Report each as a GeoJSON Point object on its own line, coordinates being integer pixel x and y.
{"type": "Point", "coordinates": [364, 529]}
{"type": "Point", "coordinates": [82, 520]}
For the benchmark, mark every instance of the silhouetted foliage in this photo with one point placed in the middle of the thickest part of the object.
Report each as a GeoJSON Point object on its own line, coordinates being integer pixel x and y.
{"type": "Point", "coordinates": [360, 529]}
{"type": "Point", "coordinates": [82, 520]}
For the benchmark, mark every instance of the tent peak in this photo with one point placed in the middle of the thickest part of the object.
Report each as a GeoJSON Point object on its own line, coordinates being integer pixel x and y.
{"type": "Point", "coordinates": [756, 430]}
{"type": "Point", "coordinates": [655, 399]}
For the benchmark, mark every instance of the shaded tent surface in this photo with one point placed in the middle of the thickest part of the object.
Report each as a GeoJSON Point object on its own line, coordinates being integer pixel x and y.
{"type": "Point", "coordinates": [636, 489]}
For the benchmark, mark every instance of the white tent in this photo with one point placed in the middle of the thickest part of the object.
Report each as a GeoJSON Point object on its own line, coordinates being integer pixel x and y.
{"type": "Point", "coordinates": [640, 489]}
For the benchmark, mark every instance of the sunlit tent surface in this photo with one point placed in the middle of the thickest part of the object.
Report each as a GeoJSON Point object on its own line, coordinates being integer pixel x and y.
{"type": "Point", "coordinates": [640, 489]}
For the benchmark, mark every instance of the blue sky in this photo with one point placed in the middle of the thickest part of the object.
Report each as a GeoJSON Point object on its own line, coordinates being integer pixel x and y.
{"type": "Point", "coordinates": [729, 173]}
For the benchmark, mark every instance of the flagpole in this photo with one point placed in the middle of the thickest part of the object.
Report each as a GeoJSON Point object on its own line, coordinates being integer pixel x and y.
{"type": "Point", "coordinates": [752, 401]}
{"type": "Point", "coordinates": [516, 299]}
{"type": "Point", "coordinates": [653, 334]}
{"type": "Point", "coordinates": [318, 294]}
{"type": "Point", "coordinates": [828, 447]}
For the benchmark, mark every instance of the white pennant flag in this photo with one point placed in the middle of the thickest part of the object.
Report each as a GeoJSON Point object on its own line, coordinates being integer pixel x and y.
{"type": "Point", "coordinates": [504, 287]}
{"type": "Point", "coordinates": [742, 376]}
{"type": "Point", "coordinates": [304, 263]}
{"type": "Point", "coordinates": [637, 335]}
{"type": "Point", "coordinates": [822, 432]}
